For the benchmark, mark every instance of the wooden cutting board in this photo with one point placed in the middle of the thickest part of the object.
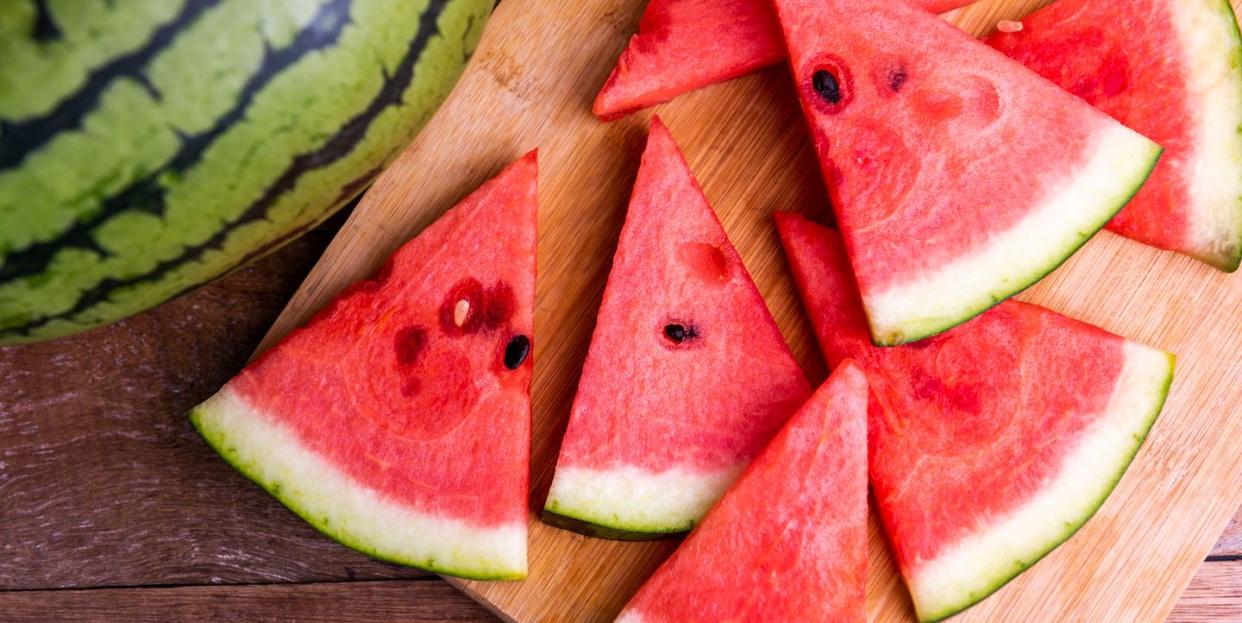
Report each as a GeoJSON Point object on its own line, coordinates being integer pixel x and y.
{"type": "Point", "coordinates": [531, 85]}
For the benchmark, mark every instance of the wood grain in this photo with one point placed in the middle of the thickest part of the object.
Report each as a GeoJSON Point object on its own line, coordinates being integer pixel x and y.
{"type": "Point", "coordinates": [1230, 543]}
{"type": "Point", "coordinates": [1214, 596]}
{"type": "Point", "coordinates": [531, 85]}
{"type": "Point", "coordinates": [103, 482]}
{"type": "Point", "coordinates": [341, 602]}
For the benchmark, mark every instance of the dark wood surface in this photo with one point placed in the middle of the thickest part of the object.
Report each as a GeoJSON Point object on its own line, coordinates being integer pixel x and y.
{"type": "Point", "coordinates": [112, 508]}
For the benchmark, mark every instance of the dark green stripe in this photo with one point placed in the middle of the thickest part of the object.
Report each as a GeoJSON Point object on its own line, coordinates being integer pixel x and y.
{"type": "Point", "coordinates": [22, 138]}
{"type": "Point", "coordinates": [148, 194]}
{"type": "Point", "coordinates": [45, 27]}
{"type": "Point", "coordinates": [339, 146]}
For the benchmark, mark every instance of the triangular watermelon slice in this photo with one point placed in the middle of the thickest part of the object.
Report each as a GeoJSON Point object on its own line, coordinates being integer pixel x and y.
{"type": "Point", "coordinates": [990, 444]}
{"type": "Point", "coordinates": [1171, 69]}
{"type": "Point", "coordinates": [788, 541]}
{"type": "Point", "coordinates": [687, 376]}
{"type": "Point", "coordinates": [397, 421]}
{"type": "Point", "coordinates": [958, 176]}
{"type": "Point", "coordinates": [683, 45]}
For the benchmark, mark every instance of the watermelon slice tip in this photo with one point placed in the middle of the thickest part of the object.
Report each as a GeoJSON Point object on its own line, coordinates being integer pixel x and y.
{"type": "Point", "coordinates": [359, 420]}
{"type": "Point", "coordinates": [664, 417]}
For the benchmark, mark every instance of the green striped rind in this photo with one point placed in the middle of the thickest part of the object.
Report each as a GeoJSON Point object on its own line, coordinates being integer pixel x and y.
{"type": "Point", "coordinates": [1015, 568]}
{"type": "Point", "coordinates": [104, 219]}
{"type": "Point", "coordinates": [601, 531]}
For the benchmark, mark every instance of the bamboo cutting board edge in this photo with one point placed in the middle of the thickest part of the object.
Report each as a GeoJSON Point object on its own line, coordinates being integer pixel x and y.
{"type": "Point", "coordinates": [531, 84]}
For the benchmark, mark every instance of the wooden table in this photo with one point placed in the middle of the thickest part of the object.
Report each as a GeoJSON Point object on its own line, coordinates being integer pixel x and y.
{"type": "Point", "coordinates": [112, 508]}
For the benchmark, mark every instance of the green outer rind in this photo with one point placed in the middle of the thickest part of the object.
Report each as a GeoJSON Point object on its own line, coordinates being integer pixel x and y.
{"type": "Point", "coordinates": [1003, 295]}
{"type": "Point", "coordinates": [1232, 263]}
{"type": "Point", "coordinates": [566, 521]}
{"type": "Point", "coordinates": [205, 230]}
{"type": "Point", "coordinates": [217, 439]}
{"type": "Point", "coordinates": [1022, 566]}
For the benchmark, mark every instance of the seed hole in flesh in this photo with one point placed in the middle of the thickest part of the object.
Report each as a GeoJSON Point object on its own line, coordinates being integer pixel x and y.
{"type": "Point", "coordinates": [516, 351]}
{"type": "Point", "coordinates": [679, 333]}
{"type": "Point", "coordinates": [896, 79]}
{"type": "Point", "coordinates": [409, 343]}
{"type": "Point", "coordinates": [499, 304]}
{"type": "Point", "coordinates": [705, 262]}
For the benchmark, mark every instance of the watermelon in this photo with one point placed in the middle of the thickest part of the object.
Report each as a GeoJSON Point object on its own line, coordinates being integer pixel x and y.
{"type": "Point", "coordinates": [687, 376]}
{"type": "Point", "coordinates": [397, 421]}
{"type": "Point", "coordinates": [1171, 69]}
{"type": "Point", "coordinates": [148, 147]}
{"type": "Point", "coordinates": [958, 176]}
{"type": "Point", "coordinates": [682, 45]}
{"type": "Point", "coordinates": [792, 531]}
{"type": "Point", "coordinates": [990, 444]}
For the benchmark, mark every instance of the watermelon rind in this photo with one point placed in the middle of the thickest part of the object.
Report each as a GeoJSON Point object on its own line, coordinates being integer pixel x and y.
{"type": "Point", "coordinates": [1207, 29]}
{"type": "Point", "coordinates": [348, 512]}
{"type": "Point", "coordinates": [947, 295]}
{"type": "Point", "coordinates": [630, 503]}
{"type": "Point", "coordinates": [147, 148]}
{"type": "Point", "coordinates": [975, 567]}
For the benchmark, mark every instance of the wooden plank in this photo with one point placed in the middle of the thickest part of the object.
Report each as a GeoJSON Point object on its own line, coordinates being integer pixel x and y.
{"type": "Point", "coordinates": [341, 602]}
{"type": "Point", "coordinates": [1214, 595]}
{"type": "Point", "coordinates": [1229, 545]}
{"type": "Point", "coordinates": [104, 482]}
{"type": "Point", "coordinates": [531, 85]}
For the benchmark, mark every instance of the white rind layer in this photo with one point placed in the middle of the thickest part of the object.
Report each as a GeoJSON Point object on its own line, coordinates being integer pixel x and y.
{"type": "Point", "coordinates": [1213, 58]}
{"type": "Point", "coordinates": [973, 568]}
{"type": "Point", "coordinates": [939, 299]}
{"type": "Point", "coordinates": [635, 500]}
{"type": "Point", "coordinates": [630, 617]}
{"type": "Point", "coordinates": [353, 514]}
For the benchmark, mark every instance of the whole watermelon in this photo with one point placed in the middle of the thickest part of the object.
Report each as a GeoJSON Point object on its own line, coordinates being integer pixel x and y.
{"type": "Point", "coordinates": [148, 146]}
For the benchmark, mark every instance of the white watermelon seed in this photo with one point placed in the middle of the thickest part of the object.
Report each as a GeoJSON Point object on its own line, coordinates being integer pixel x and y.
{"type": "Point", "coordinates": [1009, 26]}
{"type": "Point", "coordinates": [460, 312]}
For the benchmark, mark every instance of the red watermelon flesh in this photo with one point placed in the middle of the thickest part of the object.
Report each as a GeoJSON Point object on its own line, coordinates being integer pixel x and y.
{"type": "Point", "coordinates": [398, 420]}
{"type": "Point", "coordinates": [958, 176]}
{"type": "Point", "coordinates": [1172, 70]}
{"type": "Point", "coordinates": [683, 45]}
{"type": "Point", "coordinates": [788, 541]}
{"type": "Point", "coordinates": [990, 444]}
{"type": "Point", "coordinates": [687, 376]}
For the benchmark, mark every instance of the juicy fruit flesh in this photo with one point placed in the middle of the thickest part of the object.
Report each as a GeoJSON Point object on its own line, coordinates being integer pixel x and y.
{"type": "Point", "coordinates": [433, 385]}
{"type": "Point", "coordinates": [401, 391]}
{"type": "Point", "coordinates": [971, 429]}
{"type": "Point", "coordinates": [1169, 69]}
{"type": "Point", "coordinates": [792, 530]}
{"type": "Point", "coordinates": [726, 39]}
{"type": "Point", "coordinates": [672, 421]}
{"type": "Point", "coordinates": [905, 127]}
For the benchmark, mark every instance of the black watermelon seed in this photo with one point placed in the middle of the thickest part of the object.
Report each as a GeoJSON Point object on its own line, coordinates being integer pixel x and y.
{"type": "Point", "coordinates": [516, 351]}
{"type": "Point", "coordinates": [827, 86]}
{"type": "Point", "coordinates": [678, 333]}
